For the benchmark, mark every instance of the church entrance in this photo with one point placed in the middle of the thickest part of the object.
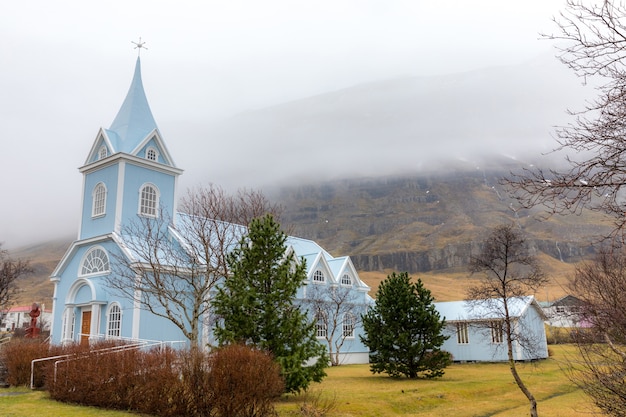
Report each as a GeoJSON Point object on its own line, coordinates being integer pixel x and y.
{"type": "Point", "coordinates": [85, 327]}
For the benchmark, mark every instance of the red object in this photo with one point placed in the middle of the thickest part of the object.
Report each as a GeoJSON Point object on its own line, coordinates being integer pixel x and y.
{"type": "Point", "coordinates": [33, 330]}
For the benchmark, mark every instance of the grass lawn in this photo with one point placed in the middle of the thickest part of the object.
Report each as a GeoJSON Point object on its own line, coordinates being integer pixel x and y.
{"type": "Point", "coordinates": [351, 390]}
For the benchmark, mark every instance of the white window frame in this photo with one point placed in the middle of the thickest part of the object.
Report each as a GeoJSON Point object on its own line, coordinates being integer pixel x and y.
{"type": "Point", "coordinates": [114, 321]}
{"type": "Point", "coordinates": [151, 150]}
{"type": "Point", "coordinates": [149, 203]}
{"type": "Point", "coordinates": [99, 200]}
{"type": "Point", "coordinates": [462, 333]}
{"type": "Point", "coordinates": [95, 261]}
{"type": "Point", "coordinates": [103, 152]}
{"type": "Point", "coordinates": [321, 328]}
{"type": "Point", "coordinates": [346, 280]}
{"type": "Point", "coordinates": [69, 322]}
{"type": "Point", "coordinates": [319, 277]}
{"type": "Point", "coordinates": [348, 325]}
{"type": "Point", "coordinates": [497, 332]}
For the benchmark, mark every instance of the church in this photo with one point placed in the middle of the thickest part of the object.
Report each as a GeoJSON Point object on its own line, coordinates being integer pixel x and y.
{"type": "Point", "coordinates": [128, 174]}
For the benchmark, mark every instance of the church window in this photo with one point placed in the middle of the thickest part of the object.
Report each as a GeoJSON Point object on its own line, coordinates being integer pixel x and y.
{"type": "Point", "coordinates": [346, 280]}
{"type": "Point", "coordinates": [152, 154]}
{"type": "Point", "coordinates": [148, 201]}
{"type": "Point", "coordinates": [114, 321]}
{"type": "Point", "coordinates": [497, 331]}
{"type": "Point", "coordinates": [348, 325]}
{"type": "Point", "coordinates": [318, 276]}
{"type": "Point", "coordinates": [95, 261]}
{"type": "Point", "coordinates": [99, 200]}
{"type": "Point", "coordinates": [69, 320]}
{"type": "Point", "coordinates": [320, 324]}
{"type": "Point", "coordinates": [102, 152]}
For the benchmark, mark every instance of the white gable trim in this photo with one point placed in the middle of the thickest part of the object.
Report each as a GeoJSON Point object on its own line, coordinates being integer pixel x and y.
{"type": "Point", "coordinates": [165, 154]}
{"type": "Point", "coordinates": [69, 254]}
{"type": "Point", "coordinates": [95, 146]}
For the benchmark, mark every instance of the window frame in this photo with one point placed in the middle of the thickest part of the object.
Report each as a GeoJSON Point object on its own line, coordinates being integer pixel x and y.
{"type": "Point", "coordinates": [348, 325]}
{"type": "Point", "coordinates": [103, 152]}
{"type": "Point", "coordinates": [93, 269]}
{"type": "Point", "coordinates": [99, 200]}
{"type": "Point", "coordinates": [154, 151]}
{"type": "Point", "coordinates": [321, 326]}
{"type": "Point", "coordinates": [346, 282]}
{"type": "Point", "coordinates": [316, 277]}
{"type": "Point", "coordinates": [497, 332]}
{"type": "Point", "coordinates": [114, 324]}
{"type": "Point", "coordinates": [149, 204]}
{"type": "Point", "coordinates": [462, 333]}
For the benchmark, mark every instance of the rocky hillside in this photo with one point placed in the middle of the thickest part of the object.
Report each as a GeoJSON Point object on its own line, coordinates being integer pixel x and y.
{"type": "Point", "coordinates": [425, 222]}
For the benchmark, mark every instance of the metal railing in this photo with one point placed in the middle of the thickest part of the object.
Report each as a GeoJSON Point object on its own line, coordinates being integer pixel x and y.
{"type": "Point", "coordinates": [132, 344]}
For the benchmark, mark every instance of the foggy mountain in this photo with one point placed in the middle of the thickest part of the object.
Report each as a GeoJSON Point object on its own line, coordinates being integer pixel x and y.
{"type": "Point", "coordinates": [390, 127]}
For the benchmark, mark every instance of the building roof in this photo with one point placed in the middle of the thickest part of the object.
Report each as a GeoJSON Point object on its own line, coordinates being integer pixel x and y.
{"type": "Point", "coordinates": [484, 309]}
{"type": "Point", "coordinates": [134, 121]}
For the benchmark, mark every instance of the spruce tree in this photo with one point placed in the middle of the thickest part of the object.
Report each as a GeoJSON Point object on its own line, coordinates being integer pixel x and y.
{"type": "Point", "coordinates": [256, 304]}
{"type": "Point", "coordinates": [404, 330]}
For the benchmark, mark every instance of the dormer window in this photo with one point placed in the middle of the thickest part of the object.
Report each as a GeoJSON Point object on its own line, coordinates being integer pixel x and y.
{"type": "Point", "coordinates": [318, 276]}
{"type": "Point", "coordinates": [152, 154]}
{"type": "Point", "coordinates": [102, 152]}
{"type": "Point", "coordinates": [346, 280]}
{"type": "Point", "coordinates": [148, 200]}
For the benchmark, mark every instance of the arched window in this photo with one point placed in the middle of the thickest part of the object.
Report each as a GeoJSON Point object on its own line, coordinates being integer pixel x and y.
{"type": "Point", "coordinates": [349, 322]}
{"type": "Point", "coordinates": [152, 154]}
{"type": "Point", "coordinates": [148, 200]}
{"type": "Point", "coordinates": [95, 261]}
{"type": "Point", "coordinates": [102, 152]}
{"type": "Point", "coordinates": [320, 324]}
{"type": "Point", "coordinates": [99, 196]}
{"type": "Point", "coordinates": [346, 280]}
{"type": "Point", "coordinates": [114, 321]}
{"type": "Point", "coordinates": [318, 276]}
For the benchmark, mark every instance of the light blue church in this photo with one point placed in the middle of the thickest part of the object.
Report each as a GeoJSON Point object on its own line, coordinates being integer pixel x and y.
{"type": "Point", "coordinates": [129, 173]}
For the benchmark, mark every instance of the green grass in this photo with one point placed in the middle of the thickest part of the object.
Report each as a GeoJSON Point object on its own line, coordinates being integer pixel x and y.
{"type": "Point", "coordinates": [465, 390]}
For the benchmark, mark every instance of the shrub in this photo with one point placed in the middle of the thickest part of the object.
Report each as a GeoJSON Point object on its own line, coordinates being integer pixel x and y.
{"type": "Point", "coordinates": [244, 382]}
{"type": "Point", "coordinates": [168, 383]}
{"type": "Point", "coordinates": [17, 356]}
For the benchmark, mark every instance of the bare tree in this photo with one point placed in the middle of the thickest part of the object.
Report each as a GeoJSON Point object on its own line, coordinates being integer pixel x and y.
{"type": "Point", "coordinates": [172, 265]}
{"type": "Point", "coordinates": [338, 313]}
{"type": "Point", "coordinates": [10, 271]}
{"type": "Point", "coordinates": [601, 367]}
{"type": "Point", "coordinates": [593, 39]}
{"type": "Point", "coordinates": [509, 272]}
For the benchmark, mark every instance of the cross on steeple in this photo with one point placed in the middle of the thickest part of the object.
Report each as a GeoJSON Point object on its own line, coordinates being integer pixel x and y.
{"type": "Point", "coordinates": [139, 46]}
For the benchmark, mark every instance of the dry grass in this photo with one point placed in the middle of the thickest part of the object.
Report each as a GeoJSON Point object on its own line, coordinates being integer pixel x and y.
{"type": "Point", "coordinates": [452, 285]}
{"type": "Point", "coordinates": [465, 390]}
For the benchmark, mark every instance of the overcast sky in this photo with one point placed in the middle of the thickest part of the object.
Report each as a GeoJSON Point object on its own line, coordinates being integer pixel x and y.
{"type": "Point", "coordinates": [65, 68]}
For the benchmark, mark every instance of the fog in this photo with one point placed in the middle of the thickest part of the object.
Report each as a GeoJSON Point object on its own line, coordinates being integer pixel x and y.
{"type": "Point", "coordinates": [250, 94]}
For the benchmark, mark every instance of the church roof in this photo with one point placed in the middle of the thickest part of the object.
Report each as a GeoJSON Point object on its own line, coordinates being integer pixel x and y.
{"type": "Point", "coordinates": [134, 121]}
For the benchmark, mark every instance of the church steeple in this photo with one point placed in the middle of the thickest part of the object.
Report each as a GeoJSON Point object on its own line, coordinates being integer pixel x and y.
{"type": "Point", "coordinates": [134, 121]}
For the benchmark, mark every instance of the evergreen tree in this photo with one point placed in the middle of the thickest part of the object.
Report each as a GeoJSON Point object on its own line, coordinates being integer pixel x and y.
{"type": "Point", "coordinates": [257, 306]}
{"type": "Point", "coordinates": [404, 330]}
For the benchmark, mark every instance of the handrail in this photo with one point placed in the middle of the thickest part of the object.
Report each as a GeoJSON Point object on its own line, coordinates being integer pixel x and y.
{"type": "Point", "coordinates": [139, 344]}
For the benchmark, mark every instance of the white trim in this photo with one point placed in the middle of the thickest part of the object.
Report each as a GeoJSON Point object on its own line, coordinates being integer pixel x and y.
{"type": "Point", "coordinates": [107, 328]}
{"type": "Point", "coordinates": [119, 198]}
{"type": "Point", "coordinates": [136, 310]}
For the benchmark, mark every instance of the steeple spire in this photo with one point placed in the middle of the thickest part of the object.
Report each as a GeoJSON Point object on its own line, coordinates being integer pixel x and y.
{"type": "Point", "coordinates": [134, 121]}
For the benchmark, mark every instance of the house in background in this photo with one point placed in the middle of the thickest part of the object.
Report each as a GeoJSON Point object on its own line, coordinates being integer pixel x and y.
{"type": "Point", "coordinates": [129, 174]}
{"type": "Point", "coordinates": [564, 312]}
{"type": "Point", "coordinates": [19, 317]}
{"type": "Point", "coordinates": [477, 333]}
